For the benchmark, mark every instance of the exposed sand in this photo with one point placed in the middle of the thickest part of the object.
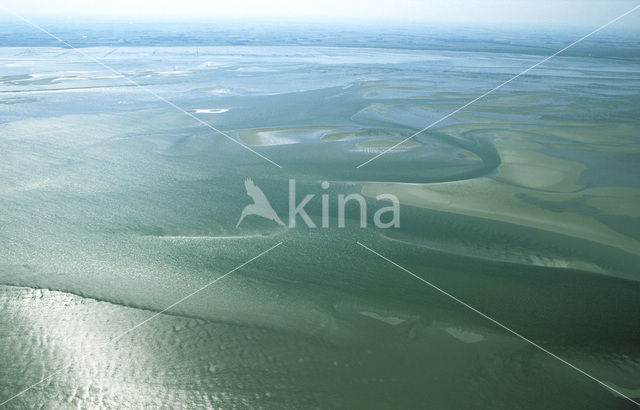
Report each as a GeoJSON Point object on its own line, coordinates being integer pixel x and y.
{"type": "Point", "coordinates": [391, 320]}
{"type": "Point", "coordinates": [487, 198]}
{"type": "Point", "coordinates": [523, 165]}
{"type": "Point", "coordinates": [464, 336]}
{"type": "Point", "coordinates": [525, 173]}
{"type": "Point", "coordinates": [614, 134]}
{"type": "Point", "coordinates": [210, 110]}
{"type": "Point", "coordinates": [282, 135]}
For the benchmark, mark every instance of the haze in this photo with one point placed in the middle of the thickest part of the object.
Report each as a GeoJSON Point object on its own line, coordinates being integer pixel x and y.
{"type": "Point", "coordinates": [567, 13]}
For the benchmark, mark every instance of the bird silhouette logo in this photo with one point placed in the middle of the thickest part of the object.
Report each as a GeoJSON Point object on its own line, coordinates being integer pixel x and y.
{"type": "Point", "coordinates": [260, 205]}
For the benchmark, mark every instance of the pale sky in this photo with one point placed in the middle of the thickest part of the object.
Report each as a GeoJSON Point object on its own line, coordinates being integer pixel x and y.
{"type": "Point", "coordinates": [588, 13]}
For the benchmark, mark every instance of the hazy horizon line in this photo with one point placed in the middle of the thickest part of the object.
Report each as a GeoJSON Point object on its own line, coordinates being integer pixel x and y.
{"type": "Point", "coordinates": [344, 23]}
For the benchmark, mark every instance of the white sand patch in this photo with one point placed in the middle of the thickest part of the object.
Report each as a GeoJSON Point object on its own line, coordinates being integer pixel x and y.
{"type": "Point", "coordinates": [210, 110]}
{"type": "Point", "coordinates": [391, 320]}
{"type": "Point", "coordinates": [172, 72]}
{"type": "Point", "coordinates": [220, 91]}
{"type": "Point", "coordinates": [274, 138]}
{"type": "Point", "coordinates": [464, 336]}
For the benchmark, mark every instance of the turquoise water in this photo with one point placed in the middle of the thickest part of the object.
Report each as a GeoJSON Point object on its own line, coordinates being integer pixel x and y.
{"type": "Point", "coordinates": [114, 205]}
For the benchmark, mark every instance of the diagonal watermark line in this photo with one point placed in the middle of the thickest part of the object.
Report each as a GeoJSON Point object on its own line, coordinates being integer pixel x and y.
{"type": "Point", "coordinates": [499, 86]}
{"type": "Point", "coordinates": [137, 84]}
{"type": "Point", "coordinates": [126, 332]}
{"type": "Point", "coordinates": [498, 323]}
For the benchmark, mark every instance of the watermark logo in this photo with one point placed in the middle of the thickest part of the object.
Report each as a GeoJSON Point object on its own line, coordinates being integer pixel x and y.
{"type": "Point", "coordinates": [384, 217]}
{"type": "Point", "coordinates": [260, 206]}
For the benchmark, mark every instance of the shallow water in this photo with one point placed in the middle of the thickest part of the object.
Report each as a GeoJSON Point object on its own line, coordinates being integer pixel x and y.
{"type": "Point", "coordinates": [114, 205]}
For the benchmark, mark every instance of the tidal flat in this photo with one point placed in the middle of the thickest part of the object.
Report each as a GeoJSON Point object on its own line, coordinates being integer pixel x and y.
{"type": "Point", "coordinates": [113, 205]}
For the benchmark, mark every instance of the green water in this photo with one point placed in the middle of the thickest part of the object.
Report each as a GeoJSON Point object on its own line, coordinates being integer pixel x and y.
{"type": "Point", "coordinates": [114, 206]}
